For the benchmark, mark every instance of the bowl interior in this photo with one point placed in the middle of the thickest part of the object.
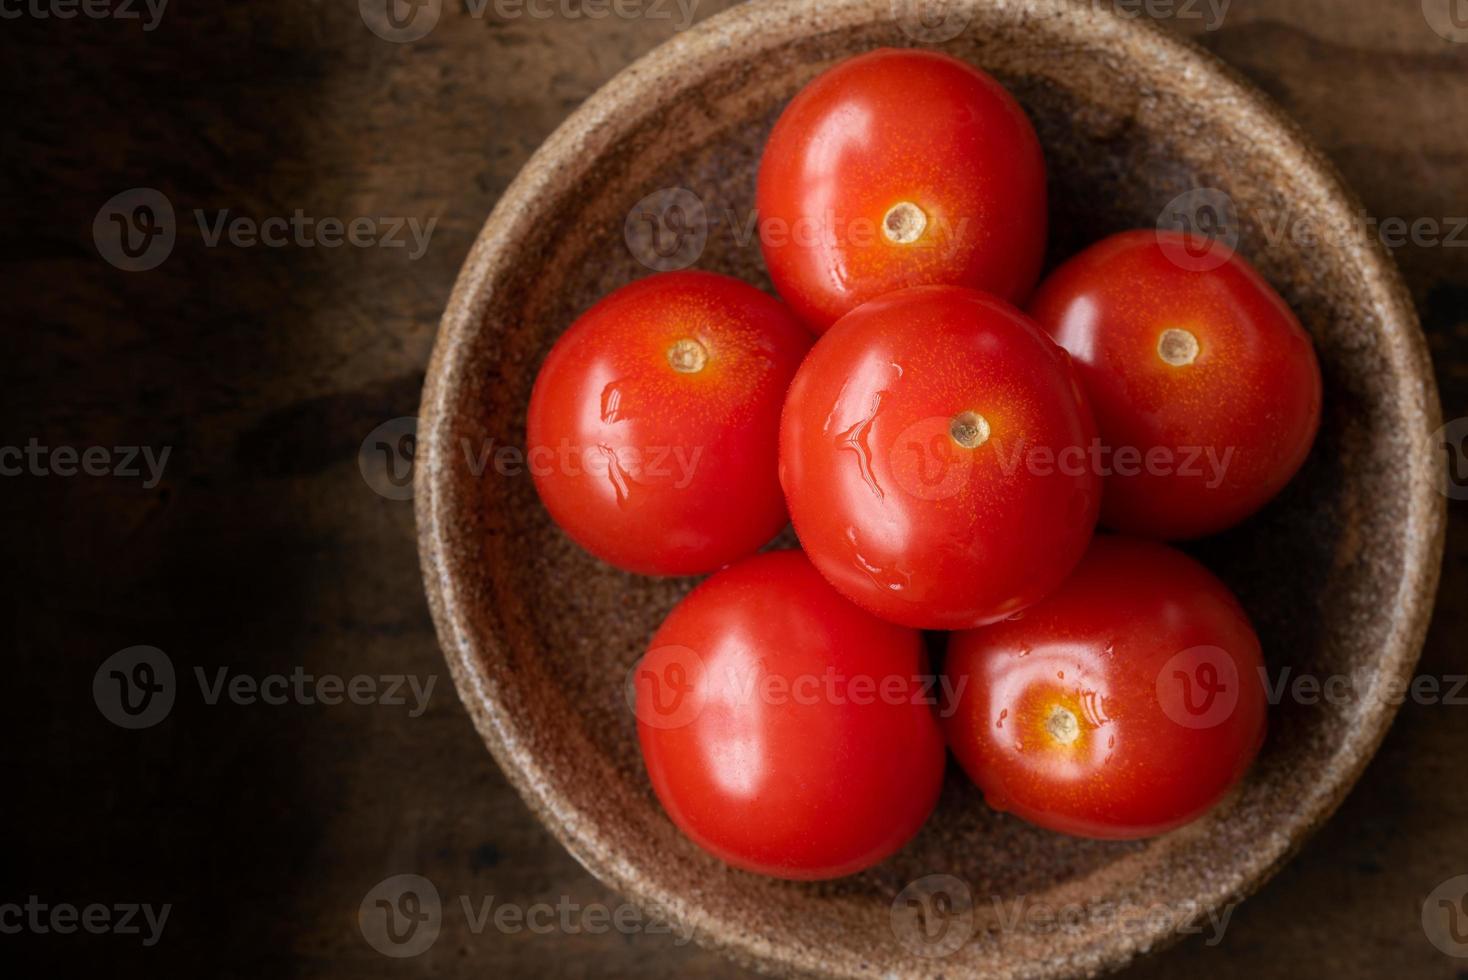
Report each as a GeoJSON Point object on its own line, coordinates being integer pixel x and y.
{"type": "Point", "coordinates": [540, 636]}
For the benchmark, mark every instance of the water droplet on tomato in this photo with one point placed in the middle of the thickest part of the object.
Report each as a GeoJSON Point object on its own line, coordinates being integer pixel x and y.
{"type": "Point", "coordinates": [611, 403]}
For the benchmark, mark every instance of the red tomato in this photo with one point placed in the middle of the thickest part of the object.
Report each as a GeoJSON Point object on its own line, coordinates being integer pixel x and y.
{"type": "Point", "coordinates": [900, 168]}
{"type": "Point", "coordinates": [653, 426]}
{"type": "Point", "coordinates": [1124, 705]}
{"type": "Point", "coordinates": [932, 452]}
{"type": "Point", "coordinates": [1205, 387]}
{"type": "Point", "coordinates": [786, 731]}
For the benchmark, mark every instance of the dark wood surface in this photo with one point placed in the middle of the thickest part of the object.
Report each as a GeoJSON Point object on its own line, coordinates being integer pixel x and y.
{"type": "Point", "coordinates": [262, 550]}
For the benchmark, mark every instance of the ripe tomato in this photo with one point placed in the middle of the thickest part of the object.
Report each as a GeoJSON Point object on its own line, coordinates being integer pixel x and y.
{"type": "Point", "coordinates": [932, 452]}
{"type": "Point", "coordinates": [786, 731]}
{"type": "Point", "coordinates": [900, 168]}
{"type": "Point", "coordinates": [653, 426]}
{"type": "Point", "coordinates": [1124, 705]}
{"type": "Point", "coordinates": [1205, 387]}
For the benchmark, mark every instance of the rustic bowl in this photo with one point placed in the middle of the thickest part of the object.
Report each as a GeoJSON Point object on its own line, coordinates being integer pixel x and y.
{"type": "Point", "coordinates": [1339, 573]}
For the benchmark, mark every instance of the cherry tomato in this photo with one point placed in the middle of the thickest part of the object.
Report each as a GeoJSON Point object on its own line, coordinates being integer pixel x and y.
{"type": "Point", "coordinates": [654, 423]}
{"type": "Point", "coordinates": [786, 731]}
{"type": "Point", "coordinates": [1124, 705]}
{"type": "Point", "coordinates": [900, 168]}
{"type": "Point", "coordinates": [1205, 387]}
{"type": "Point", "coordinates": [932, 452]}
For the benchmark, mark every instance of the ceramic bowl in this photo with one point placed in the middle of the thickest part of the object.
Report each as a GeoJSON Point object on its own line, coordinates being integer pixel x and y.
{"type": "Point", "coordinates": [1338, 573]}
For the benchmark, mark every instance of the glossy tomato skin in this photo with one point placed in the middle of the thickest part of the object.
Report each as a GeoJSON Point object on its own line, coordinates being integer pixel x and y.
{"type": "Point", "coordinates": [653, 426]}
{"type": "Point", "coordinates": [1124, 705]}
{"type": "Point", "coordinates": [903, 518]}
{"type": "Point", "coordinates": [885, 129]}
{"type": "Point", "coordinates": [786, 731]}
{"type": "Point", "coordinates": [1230, 423]}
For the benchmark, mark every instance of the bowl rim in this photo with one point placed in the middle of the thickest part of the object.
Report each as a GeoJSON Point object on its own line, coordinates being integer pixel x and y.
{"type": "Point", "coordinates": [640, 90]}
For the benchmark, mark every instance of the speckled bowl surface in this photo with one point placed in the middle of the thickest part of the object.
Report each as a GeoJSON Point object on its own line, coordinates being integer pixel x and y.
{"type": "Point", "coordinates": [1338, 573]}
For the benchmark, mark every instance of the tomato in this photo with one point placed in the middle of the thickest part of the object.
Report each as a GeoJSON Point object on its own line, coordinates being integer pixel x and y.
{"type": "Point", "coordinates": [932, 452]}
{"type": "Point", "coordinates": [786, 731]}
{"type": "Point", "coordinates": [900, 168]}
{"type": "Point", "coordinates": [1205, 387]}
{"type": "Point", "coordinates": [654, 422]}
{"type": "Point", "coordinates": [1124, 705]}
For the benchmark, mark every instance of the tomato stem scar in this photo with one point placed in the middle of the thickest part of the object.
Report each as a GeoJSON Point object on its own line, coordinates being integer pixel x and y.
{"type": "Point", "coordinates": [904, 223]}
{"type": "Point", "coordinates": [687, 356]}
{"type": "Point", "coordinates": [969, 429]}
{"type": "Point", "coordinates": [1177, 347]}
{"type": "Point", "coordinates": [1062, 726]}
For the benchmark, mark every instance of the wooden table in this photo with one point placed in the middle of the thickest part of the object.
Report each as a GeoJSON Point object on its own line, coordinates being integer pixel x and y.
{"type": "Point", "coordinates": [262, 551]}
